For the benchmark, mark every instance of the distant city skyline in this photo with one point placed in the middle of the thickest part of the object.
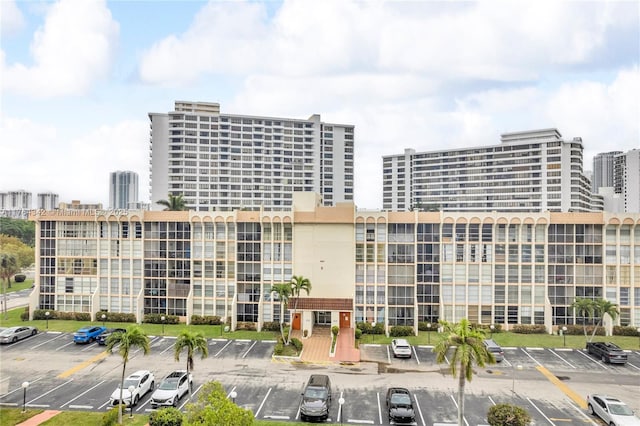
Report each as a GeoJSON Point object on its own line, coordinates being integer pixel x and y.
{"type": "Point", "coordinates": [421, 75]}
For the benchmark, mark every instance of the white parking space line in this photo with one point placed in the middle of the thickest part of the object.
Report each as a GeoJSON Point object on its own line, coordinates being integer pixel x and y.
{"type": "Point", "coordinates": [419, 411]}
{"type": "Point", "coordinates": [187, 395]}
{"type": "Point", "coordinates": [48, 392]}
{"type": "Point", "coordinates": [388, 355]}
{"type": "Point", "coordinates": [103, 405]}
{"type": "Point", "coordinates": [251, 347]}
{"type": "Point", "coordinates": [88, 390]}
{"type": "Point", "coordinates": [90, 346]}
{"type": "Point", "coordinates": [591, 359]}
{"type": "Point", "coordinates": [65, 345]}
{"type": "Point", "coordinates": [46, 341]}
{"type": "Point", "coordinates": [20, 388]}
{"type": "Point", "coordinates": [529, 355]}
{"type": "Point", "coordinates": [379, 407]}
{"type": "Point", "coordinates": [492, 401]}
{"type": "Point", "coordinates": [540, 411]}
{"type": "Point", "coordinates": [262, 404]}
{"type": "Point", "coordinates": [167, 349]}
{"type": "Point", "coordinates": [8, 404]}
{"type": "Point", "coordinates": [81, 407]}
{"type": "Point", "coordinates": [634, 366]}
{"type": "Point", "coordinates": [416, 354]}
{"type": "Point", "coordinates": [453, 398]}
{"type": "Point", "coordinates": [339, 419]}
{"type": "Point", "coordinates": [141, 406]}
{"type": "Point", "coordinates": [223, 348]}
{"type": "Point", "coordinates": [587, 418]}
{"type": "Point", "coordinates": [562, 359]}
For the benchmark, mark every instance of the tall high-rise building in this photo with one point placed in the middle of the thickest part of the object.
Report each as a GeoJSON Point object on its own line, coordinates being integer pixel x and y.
{"type": "Point", "coordinates": [603, 164]}
{"type": "Point", "coordinates": [47, 200]}
{"type": "Point", "coordinates": [530, 171]}
{"type": "Point", "coordinates": [227, 162]}
{"type": "Point", "coordinates": [15, 200]}
{"type": "Point", "coordinates": [123, 189]}
{"type": "Point", "coordinates": [626, 179]}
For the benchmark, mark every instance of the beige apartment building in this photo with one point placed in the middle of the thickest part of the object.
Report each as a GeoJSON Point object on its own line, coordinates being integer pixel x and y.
{"type": "Point", "coordinates": [395, 268]}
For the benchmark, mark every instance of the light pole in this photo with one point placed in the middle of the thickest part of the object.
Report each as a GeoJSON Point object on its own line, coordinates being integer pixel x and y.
{"type": "Point", "coordinates": [25, 385]}
{"type": "Point", "coordinates": [233, 396]}
{"type": "Point", "coordinates": [429, 333]}
{"type": "Point", "coordinates": [564, 336]}
{"type": "Point", "coordinates": [341, 401]}
{"type": "Point", "coordinates": [492, 327]}
{"type": "Point", "coordinates": [46, 315]}
{"type": "Point", "coordinates": [163, 318]}
{"type": "Point", "coordinates": [131, 390]}
{"type": "Point", "coordinates": [373, 327]}
{"type": "Point", "coordinates": [104, 317]}
{"type": "Point", "coordinates": [513, 382]}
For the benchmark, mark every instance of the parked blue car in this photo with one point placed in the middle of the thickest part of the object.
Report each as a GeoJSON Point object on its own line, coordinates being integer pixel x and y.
{"type": "Point", "coordinates": [88, 334]}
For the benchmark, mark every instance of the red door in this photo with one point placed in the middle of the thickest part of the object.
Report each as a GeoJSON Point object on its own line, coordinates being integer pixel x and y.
{"type": "Point", "coordinates": [345, 319]}
{"type": "Point", "coordinates": [296, 321]}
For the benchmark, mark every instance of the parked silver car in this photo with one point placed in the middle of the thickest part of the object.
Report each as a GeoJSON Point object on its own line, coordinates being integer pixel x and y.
{"type": "Point", "coordinates": [13, 334]}
{"type": "Point", "coordinates": [172, 388]}
{"type": "Point", "coordinates": [611, 410]}
{"type": "Point", "coordinates": [401, 348]}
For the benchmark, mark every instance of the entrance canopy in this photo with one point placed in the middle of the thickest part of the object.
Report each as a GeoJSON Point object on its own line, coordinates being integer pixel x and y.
{"type": "Point", "coordinates": [321, 304]}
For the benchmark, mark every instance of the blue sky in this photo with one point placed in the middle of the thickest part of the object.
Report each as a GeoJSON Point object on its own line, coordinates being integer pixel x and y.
{"type": "Point", "coordinates": [78, 77]}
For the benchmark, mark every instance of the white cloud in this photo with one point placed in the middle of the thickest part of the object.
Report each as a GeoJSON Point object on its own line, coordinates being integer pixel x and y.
{"type": "Point", "coordinates": [70, 51]}
{"type": "Point", "coordinates": [11, 19]}
{"type": "Point", "coordinates": [80, 164]}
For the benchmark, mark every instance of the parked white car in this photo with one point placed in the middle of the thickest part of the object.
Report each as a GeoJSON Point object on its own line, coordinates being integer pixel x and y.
{"type": "Point", "coordinates": [611, 410]}
{"type": "Point", "coordinates": [172, 389]}
{"type": "Point", "coordinates": [142, 381]}
{"type": "Point", "coordinates": [401, 348]}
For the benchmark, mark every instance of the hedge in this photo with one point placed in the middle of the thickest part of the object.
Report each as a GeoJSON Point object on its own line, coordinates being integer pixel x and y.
{"type": "Point", "coordinates": [205, 320]}
{"type": "Point", "coordinates": [401, 330]}
{"type": "Point", "coordinates": [358, 333]}
{"type": "Point", "coordinates": [169, 416]}
{"type": "Point", "coordinates": [157, 319]}
{"type": "Point", "coordinates": [115, 316]}
{"type": "Point", "coordinates": [297, 343]}
{"type": "Point", "coordinates": [271, 326]}
{"type": "Point", "coordinates": [39, 314]}
{"type": "Point", "coordinates": [368, 329]}
{"type": "Point", "coordinates": [246, 326]}
{"type": "Point", "coordinates": [577, 330]}
{"type": "Point", "coordinates": [529, 329]}
{"type": "Point", "coordinates": [422, 326]}
{"type": "Point", "coordinates": [619, 330]}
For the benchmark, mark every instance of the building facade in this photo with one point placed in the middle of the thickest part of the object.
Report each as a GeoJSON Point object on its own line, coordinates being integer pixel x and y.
{"type": "Point", "coordinates": [626, 180]}
{"type": "Point", "coordinates": [123, 190]}
{"type": "Point", "coordinates": [532, 171]}
{"type": "Point", "coordinates": [603, 174]}
{"type": "Point", "coordinates": [47, 200]}
{"type": "Point", "coordinates": [394, 268]}
{"type": "Point", "coordinates": [15, 200]}
{"type": "Point", "coordinates": [224, 162]}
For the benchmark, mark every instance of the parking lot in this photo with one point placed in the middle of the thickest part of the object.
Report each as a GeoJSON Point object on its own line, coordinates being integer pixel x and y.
{"type": "Point", "coordinates": [63, 375]}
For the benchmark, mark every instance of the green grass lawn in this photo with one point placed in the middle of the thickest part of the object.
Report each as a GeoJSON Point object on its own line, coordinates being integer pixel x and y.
{"type": "Point", "coordinates": [16, 286]}
{"type": "Point", "coordinates": [14, 416]}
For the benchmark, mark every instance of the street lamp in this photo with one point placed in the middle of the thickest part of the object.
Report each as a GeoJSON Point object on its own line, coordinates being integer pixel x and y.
{"type": "Point", "coordinates": [131, 390]}
{"type": "Point", "coordinates": [163, 318]}
{"type": "Point", "coordinates": [25, 385]}
{"type": "Point", "coordinates": [513, 382]}
{"type": "Point", "coordinates": [492, 327]}
{"type": "Point", "coordinates": [373, 326]}
{"type": "Point", "coordinates": [429, 333]}
{"type": "Point", "coordinates": [564, 336]}
{"type": "Point", "coordinates": [233, 396]}
{"type": "Point", "coordinates": [341, 401]}
{"type": "Point", "coordinates": [104, 317]}
{"type": "Point", "coordinates": [46, 315]}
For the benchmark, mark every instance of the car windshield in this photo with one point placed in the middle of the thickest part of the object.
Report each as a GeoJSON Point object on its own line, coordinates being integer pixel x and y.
{"type": "Point", "coordinates": [620, 410]}
{"type": "Point", "coordinates": [400, 399]}
{"type": "Point", "coordinates": [7, 332]}
{"type": "Point", "coordinates": [315, 393]}
{"type": "Point", "coordinates": [130, 382]}
{"type": "Point", "coordinates": [169, 385]}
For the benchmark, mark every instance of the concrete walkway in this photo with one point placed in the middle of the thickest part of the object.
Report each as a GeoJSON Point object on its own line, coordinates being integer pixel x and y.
{"type": "Point", "coordinates": [317, 348]}
{"type": "Point", "coordinates": [39, 418]}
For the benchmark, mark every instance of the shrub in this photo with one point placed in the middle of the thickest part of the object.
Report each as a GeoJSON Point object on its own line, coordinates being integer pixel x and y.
{"type": "Point", "coordinates": [529, 329]}
{"type": "Point", "coordinates": [110, 418]}
{"type": "Point", "coordinates": [115, 316]}
{"type": "Point", "coordinates": [508, 415]}
{"type": "Point", "coordinates": [169, 416]}
{"type": "Point", "coordinates": [247, 326]}
{"type": "Point", "coordinates": [364, 327]}
{"type": "Point", "coordinates": [497, 328]}
{"type": "Point", "coordinates": [157, 319]}
{"type": "Point", "coordinates": [271, 326]}
{"type": "Point", "coordinates": [82, 316]}
{"type": "Point", "coordinates": [39, 314]}
{"type": "Point", "coordinates": [19, 278]}
{"type": "Point", "coordinates": [619, 330]}
{"type": "Point", "coordinates": [378, 329]}
{"type": "Point", "coordinates": [401, 330]}
{"type": "Point", "coordinates": [358, 333]}
{"type": "Point", "coordinates": [24, 316]}
{"type": "Point", "coordinates": [205, 320]}
{"type": "Point", "coordinates": [297, 343]}
{"type": "Point", "coordinates": [279, 348]}
{"type": "Point", "coordinates": [335, 330]}
{"type": "Point", "coordinates": [422, 326]}
{"type": "Point", "coordinates": [579, 329]}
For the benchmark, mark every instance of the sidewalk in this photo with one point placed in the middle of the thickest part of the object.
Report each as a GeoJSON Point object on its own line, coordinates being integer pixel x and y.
{"type": "Point", "coordinates": [317, 347]}
{"type": "Point", "coordinates": [39, 418]}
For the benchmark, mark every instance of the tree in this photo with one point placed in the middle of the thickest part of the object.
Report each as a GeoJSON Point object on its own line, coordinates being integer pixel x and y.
{"type": "Point", "coordinates": [174, 203]}
{"type": "Point", "coordinates": [8, 267]}
{"type": "Point", "coordinates": [131, 338]}
{"type": "Point", "coordinates": [508, 415]}
{"type": "Point", "coordinates": [283, 291]}
{"type": "Point", "coordinates": [22, 229]}
{"type": "Point", "coordinates": [298, 285]}
{"type": "Point", "coordinates": [583, 308]}
{"type": "Point", "coordinates": [468, 350]}
{"type": "Point", "coordinates": [602, 307]}
{"type": "Point", "coordinates": [214, 408]}
{"type": "Point", "coordinates": [193, 342]}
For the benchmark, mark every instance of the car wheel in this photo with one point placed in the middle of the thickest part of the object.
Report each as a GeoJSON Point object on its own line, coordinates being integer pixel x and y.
{"type": "Point", "coordinates": [175, 402]}
{"type": "Point", "coordinates": [153, 385]}
{"type": "Point", "coordinates": [15, 339]}
{"type": "Point", "coordinates": [604, 359]}
{"type": "Point", "coordinates": [590, 409]}
{"type": "Point", "coordinates": [135, 400]}
{"type": "Point", "coordinates": [33, 332]}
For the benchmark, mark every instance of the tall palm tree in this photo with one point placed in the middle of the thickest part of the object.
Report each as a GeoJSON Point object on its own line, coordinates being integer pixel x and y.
{"type": "Point", "coordinates": [283, 291]}
{"type": "Point", "coordinates": [174, 203]}
{"type": "Point", "coordinates": [603, 307]}
{"type": "Point", "coordinates": [298, 285]}
{"type": "Point", "coordinates": [125, 341]}
{"type": "Point", "coordinates": [8, 267]}
{"type": "Point", "coordinates": [468, 350]}
{"type": "Point", "coordinates": [193, 341]}
{"type": "Point", "coordinates": [583, 308]}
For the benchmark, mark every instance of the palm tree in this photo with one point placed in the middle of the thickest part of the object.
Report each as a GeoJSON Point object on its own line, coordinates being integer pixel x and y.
{"type": "Point", "coordinates": [126, 341]}
{"type": "Point", "coordinates": [468, 350]}
{"type": "Point", "coordinates": [298, 285]}
{"type": "Point", "coordinates": [283, 291]}
{"type": "Point", "coordinates": [8, 267]}
{"type": "Point", "coordinates": [603, 307]}
{"type": "Point", "coordinates": [583, 308]}
{"type": "Point", "coordinates": [174, 203]}
{"type": "Point", "coordinates": [193, 341]}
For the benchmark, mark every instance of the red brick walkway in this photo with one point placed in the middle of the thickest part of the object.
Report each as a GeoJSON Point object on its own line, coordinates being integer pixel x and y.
{"type": "Point", "coordinates": [317, 348]}
{"type": "Point", "coordinates": [39, 418]}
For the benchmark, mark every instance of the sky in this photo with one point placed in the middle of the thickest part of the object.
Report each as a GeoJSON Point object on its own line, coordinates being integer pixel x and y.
{"type": "Point", "coordinates": [79, 77]}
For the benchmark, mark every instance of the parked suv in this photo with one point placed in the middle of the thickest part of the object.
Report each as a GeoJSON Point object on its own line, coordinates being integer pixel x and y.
{"type": "Point", "coordinates": [316, 398]}
{"type": "Point", "coordinates": [607, 352]}
{"type": "Point", "coordinates": [88, 334]}
{"type": "Point", "coordinates": [142, 382]}
{"type": "Point", "coordinates": [172, 388]}
{"type": "Point", "coordinates": [495, 349]}
{"type": "Point", "coordinates": [400, 348]}
{"type": "Point", "coordinates": [102, 339]}
{"type": "Point", "coordinates": [400, 406]}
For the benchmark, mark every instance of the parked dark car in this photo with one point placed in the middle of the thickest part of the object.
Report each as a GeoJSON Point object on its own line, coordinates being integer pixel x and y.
{"type": "Point", "coordinates": [102, 339]}
{"type": "Point", "coordinates": [607, 352]}
{"type": "Point", "coordinates": [400, 406]}
{"type": "Point", "coordinates": [316, 398]}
